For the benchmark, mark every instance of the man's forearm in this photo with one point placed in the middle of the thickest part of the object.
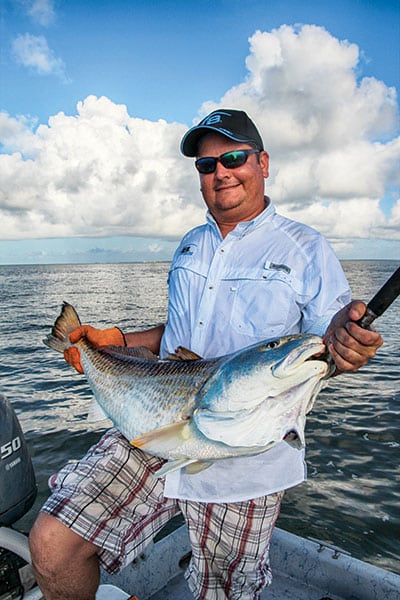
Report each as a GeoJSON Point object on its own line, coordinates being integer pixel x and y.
{"type": "Point", "coordinates": [150, 338]}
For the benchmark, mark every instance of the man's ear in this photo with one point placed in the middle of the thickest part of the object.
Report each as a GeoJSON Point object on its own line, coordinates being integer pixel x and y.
{"type": "Point", "coordinates": [264, 162]}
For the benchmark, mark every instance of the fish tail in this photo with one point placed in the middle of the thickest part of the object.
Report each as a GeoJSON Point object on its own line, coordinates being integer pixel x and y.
{"type": "Point", "coordinates": [65, 323]}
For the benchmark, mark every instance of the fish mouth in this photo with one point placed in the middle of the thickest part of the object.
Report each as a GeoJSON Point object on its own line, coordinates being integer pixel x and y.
{"type": "Point", "coordinates": [310, 351]}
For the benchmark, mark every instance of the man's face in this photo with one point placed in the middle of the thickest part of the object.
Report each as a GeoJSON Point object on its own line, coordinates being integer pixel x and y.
{"type": "Point", "coordinates": [233, 195]}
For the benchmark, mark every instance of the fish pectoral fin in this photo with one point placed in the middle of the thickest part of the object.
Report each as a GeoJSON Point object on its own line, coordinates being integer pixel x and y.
{"type": "Point", "coordinates": [160, 441]}
{"type": "Point", "coordinates": [191, 466]}
{"type": "Point", "coordinates": [96, 413]}
{"type": "Point", "coordinates": [196, 467]}
{"type": "Point", "coordinates": [173, 465]}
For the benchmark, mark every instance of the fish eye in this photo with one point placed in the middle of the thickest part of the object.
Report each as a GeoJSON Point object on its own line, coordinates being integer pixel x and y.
{"type": "Point", "coordinates": [273, 344]}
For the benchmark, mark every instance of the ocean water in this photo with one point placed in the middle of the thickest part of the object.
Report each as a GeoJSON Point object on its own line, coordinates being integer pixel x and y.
{"type": "Point", "coordinates": [352, 496]}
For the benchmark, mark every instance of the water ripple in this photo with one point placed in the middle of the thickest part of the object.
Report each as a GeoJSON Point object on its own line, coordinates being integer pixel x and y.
{"type": "Point", "coordinates": [352, 495]}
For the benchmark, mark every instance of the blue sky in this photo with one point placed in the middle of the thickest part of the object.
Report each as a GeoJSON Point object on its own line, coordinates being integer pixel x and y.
{"type": "Point", "coordinates": [95, 97]}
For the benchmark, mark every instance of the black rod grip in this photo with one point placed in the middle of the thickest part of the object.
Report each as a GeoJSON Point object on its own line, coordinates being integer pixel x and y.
{"type": "Point", "coordinates": [382, 300]}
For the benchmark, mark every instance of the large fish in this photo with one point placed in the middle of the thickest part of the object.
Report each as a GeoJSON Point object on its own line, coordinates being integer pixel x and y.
{"type": "Point", "coordinates": [193, 411]}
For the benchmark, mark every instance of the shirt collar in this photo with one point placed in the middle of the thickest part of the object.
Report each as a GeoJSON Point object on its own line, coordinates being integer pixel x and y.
{"type": "Point", "coordinates": [244, 227]}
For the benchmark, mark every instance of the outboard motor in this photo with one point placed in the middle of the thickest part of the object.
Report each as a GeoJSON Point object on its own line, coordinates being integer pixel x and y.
{"type": "Point", "coordinates": [17, 478]}
{"type": "Point", "coordinates": [17, 494]}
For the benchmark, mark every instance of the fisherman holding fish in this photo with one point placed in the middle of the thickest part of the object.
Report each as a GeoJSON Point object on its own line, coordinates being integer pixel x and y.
{"type": "Point", "coordinates": [246, 275]}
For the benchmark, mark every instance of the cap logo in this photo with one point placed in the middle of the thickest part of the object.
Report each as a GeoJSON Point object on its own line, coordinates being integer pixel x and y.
{"type": "Point", "coordinates": [215, 118]}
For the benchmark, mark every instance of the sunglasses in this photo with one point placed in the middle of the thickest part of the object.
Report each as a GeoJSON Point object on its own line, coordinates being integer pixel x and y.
{"type": "Point", "coordinates": [230, 160]}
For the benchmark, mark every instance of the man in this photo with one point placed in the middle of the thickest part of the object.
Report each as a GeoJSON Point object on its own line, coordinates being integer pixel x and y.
{"type": "Point", "coordinates": [247, 275]}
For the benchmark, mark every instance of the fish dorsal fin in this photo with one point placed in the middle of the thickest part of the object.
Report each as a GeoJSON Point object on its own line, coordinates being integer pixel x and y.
{"type": "Point", "coordinates": [129, 352]}
{"type": "Point", "coordinates": [182, 353]}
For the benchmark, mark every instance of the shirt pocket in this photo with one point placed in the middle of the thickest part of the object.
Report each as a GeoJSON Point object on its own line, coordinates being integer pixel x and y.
{"type": "Point", "coordinates": [265, 303]}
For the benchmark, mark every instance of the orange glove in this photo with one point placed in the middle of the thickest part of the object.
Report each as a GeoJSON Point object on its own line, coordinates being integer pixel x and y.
{"type": "Point", "coordinates": [97, 337]}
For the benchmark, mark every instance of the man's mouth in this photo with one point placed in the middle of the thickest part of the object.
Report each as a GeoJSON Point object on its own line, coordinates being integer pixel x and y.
{"type": "Point", "coordinates": [221, 188]}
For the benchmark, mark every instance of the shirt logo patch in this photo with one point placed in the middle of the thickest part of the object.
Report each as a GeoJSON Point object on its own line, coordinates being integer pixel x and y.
{"type": "Point", "coordinates": [188, 250]}
{"type": "Point", "coordinates": [279, 267]}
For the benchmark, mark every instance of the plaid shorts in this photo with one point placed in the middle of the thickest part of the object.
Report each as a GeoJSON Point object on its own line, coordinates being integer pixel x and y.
{"type": "Point", "coordinates": [111, 498]}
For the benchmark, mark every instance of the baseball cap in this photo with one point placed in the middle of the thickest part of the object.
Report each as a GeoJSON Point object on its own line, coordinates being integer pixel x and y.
{"type": "Point", "coordinates": [234, 124]}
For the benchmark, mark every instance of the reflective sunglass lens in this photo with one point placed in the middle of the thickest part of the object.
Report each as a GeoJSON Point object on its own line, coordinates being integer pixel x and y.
{"type": "Point", "coordinates": [230, 160]}
{"type": "Point", "coordinates": [206, 165]}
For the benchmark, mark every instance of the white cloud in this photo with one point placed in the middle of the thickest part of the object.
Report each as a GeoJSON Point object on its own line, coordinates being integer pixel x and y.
{"type": "Point", "coordinates": [303, 92]}
{"type": "Point", "coordinates": [101, 172]}
{"type": "Point", "coordinates": [155, 248]}
{"type": "Point", "coordinates": [41, 11]}
{"type": "Point", "coordinates": [98, 173]}
{"type": "Point", "coordinates": [16, 133]}
{"type": "Point", "coordinates": [33, 51]}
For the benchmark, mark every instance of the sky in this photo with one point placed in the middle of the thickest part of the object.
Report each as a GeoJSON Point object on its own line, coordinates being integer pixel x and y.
{"type": "Point", "coordinates": [95, 97]}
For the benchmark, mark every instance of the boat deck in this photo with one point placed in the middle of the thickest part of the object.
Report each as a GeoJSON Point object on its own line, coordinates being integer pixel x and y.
{"type": "Point", "coordinates": [302, 569]}
{"type": "Point", "coordinates": [282, 588]}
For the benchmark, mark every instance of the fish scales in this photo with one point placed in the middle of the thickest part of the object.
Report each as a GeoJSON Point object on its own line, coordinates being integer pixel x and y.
{"type": "Point", "coordinates": [193, 411]}
{"type": "Point", "coordinates": [159, 391]}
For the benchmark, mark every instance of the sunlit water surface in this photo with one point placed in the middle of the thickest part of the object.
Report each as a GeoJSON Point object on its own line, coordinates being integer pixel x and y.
{"type": "Point", "coordinates": [352, 495]}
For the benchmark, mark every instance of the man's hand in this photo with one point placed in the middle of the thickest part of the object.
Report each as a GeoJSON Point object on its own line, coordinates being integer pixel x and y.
{"type": "Point", "coordinates": [351, 346]}
{"type": "Point", "coordinates": [97, 337]}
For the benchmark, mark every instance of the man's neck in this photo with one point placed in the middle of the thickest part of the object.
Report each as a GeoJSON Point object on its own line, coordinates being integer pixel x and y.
{"type": "Point", "coordinates": [226, 227]}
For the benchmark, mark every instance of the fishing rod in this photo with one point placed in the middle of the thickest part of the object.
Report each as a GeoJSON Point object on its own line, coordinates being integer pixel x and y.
{"type": "Point", "coordinates": [382, 300]}
{"type": "Point", "coordinates": [375, 308]}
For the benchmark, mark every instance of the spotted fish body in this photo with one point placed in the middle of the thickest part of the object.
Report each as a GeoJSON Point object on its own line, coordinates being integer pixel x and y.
{"type": "Point", "coordinates": [194, 411]}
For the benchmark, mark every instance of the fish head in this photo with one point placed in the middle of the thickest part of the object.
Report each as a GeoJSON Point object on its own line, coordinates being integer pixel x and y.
{"type": "Point", "coordinates": [265, 395]}
{"type": "Point", "coordinates": [298, 353]}
{"type": "Point", "coordinates": [264, 370]}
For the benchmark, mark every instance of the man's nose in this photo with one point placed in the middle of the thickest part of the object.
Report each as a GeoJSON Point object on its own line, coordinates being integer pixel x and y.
{"type": "Point", "coordinates": [221, 172]}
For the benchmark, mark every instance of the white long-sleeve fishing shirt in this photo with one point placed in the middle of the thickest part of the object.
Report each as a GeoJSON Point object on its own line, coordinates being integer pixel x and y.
{"type": "Point", "coordinates": [267, 278]}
